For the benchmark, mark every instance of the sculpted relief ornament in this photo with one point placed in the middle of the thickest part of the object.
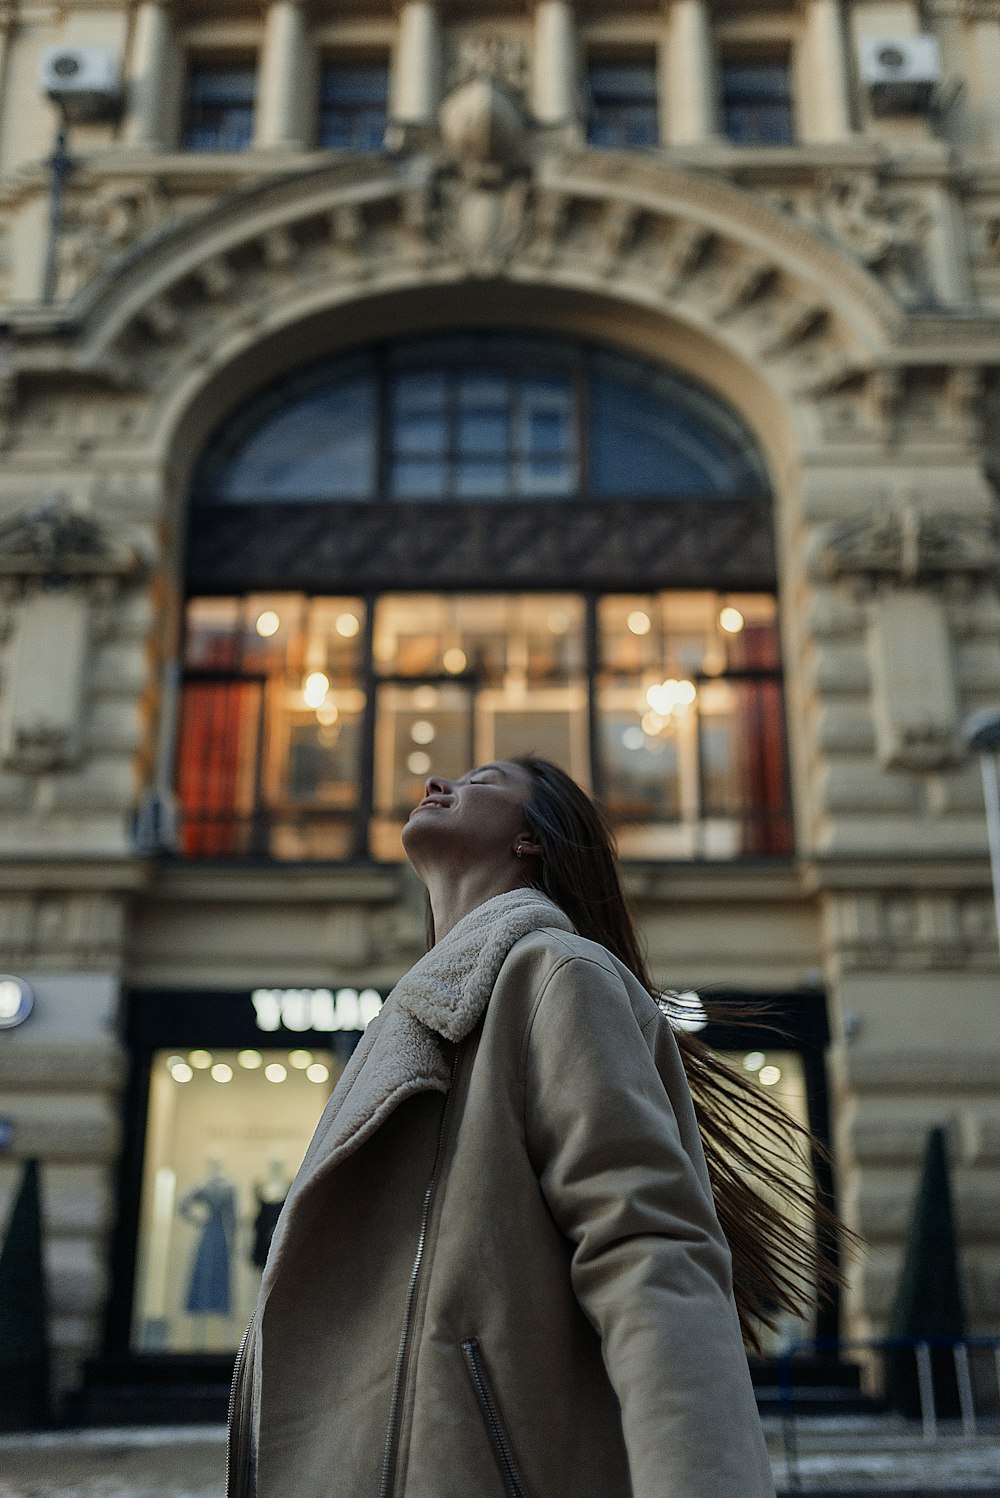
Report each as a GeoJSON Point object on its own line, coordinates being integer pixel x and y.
{"type": "Point", "coordinates": [906, 545]}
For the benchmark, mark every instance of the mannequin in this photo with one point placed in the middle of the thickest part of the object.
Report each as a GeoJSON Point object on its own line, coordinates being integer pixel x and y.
{"type": "Point", "coordinates": [270, 1194]}
{"type": "Point", "coordinates": [211, 1208]}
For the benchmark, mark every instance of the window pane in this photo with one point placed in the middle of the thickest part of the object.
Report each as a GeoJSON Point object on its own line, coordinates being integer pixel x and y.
{"type": "Point", "coordinates": [269, 741]}
{"type": "Point", "coordinates": [756, 102]}
{"type": "Point", "coordinates": [654, 434]}
{"type": "Point", "coordinates": [693, 752]}
{"type": "Point", "coordinates": [522, 690]}
{"type": "Point", "coordinates": [318, 446]}
{"type": "Point", "coordinates": [622, 110]}
{"type": "Point", "coordinates": [218, 110]}
{"type": "Point", "coordinates": [353, 109]}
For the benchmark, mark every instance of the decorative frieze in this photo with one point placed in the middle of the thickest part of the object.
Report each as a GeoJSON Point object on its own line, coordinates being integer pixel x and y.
{"type": "Point", "coordinates": [894, 930]}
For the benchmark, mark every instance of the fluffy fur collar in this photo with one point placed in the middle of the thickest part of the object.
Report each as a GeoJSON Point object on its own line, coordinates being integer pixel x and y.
{"type": "Point", "coordinates": [448, 989]}
{"type": "Point", "coordinates": [442, 997]}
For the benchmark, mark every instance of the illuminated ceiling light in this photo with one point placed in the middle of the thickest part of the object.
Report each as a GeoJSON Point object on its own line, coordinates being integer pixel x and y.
{"type": "Point", "coordinates": [753, 1060]}
{"type": "Point", "coordinates": [652, 724]}
{"type": "Point", "coordinates": [455, 660]}
{"type": "Point", "coordinates": [633, 738]}
{"type": "Point", "coordinates": [558, 622]}
{"type": "Point", "coordinates": [200, 1060]}
{"type": "Point", "coordinates": [769, 1075]}
{"type": "Point", "coordinates": [250, 1059]}
{"type": "Point", "coordinates": [347, 625]}
{"type": "Point", "coordinates": [275, 1072]}
{"type": "Point", "coordinates": [315, 688]}
{"type": "Point", "coordinates": [181, 1072]}
{"type": "Point", "coordinates": [639, 623]}
{"type": "Point", "coordinates": [221, 1072]}
{"type": "Point", "coordinates": [731, 620]}
{"type": "Point", "coordinates": [418, 763]}
{"type": "Point", "coordinates": [173, 1061]}
{"type": "Point", "coordinates": [318, 1072]}
{"type": "Point", "coordinates": [327, 714]}
{"type": "Point", "coordinates": [423, 732]}
{"type": "Point", "coordinates": [425, 699]}
{"type": "Point", "coordinates": [300, 1059]}
{"type": "Point", "coordinates": [267, 624]}
{"type": "Point", "coordinates": [685, 692]}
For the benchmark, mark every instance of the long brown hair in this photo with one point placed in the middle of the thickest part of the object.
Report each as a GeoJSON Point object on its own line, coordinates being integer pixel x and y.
{"type": "Point", "coordinates": [751, 1144]}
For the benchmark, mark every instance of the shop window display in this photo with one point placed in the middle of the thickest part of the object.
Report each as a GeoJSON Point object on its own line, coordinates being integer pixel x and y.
{"type": "Point", "coordinates": [226, 1131]}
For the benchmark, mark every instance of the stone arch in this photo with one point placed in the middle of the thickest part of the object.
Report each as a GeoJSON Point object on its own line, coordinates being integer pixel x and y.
{"type": "Point", "coordinates": [713, 263]}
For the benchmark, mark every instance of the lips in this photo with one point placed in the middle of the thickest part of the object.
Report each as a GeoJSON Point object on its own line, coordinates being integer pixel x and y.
{"type": "Point", "coordinates": [442, 801]}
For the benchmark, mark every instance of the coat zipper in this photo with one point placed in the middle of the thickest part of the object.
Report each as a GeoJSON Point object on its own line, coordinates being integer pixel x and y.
{"type": "Point", "coordinates": [402, 1352]}
{"type": "Point", "coordinates": [494, 1429]}
{"type": "Point", "coordinates": [238, 1436]}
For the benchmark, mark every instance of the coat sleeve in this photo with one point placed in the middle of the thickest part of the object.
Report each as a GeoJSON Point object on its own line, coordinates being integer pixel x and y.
{"type": "Point", "coordinates": [650, 1265]}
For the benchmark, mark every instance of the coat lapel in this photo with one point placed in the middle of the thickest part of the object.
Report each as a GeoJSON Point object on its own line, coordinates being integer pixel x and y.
{"type": "Point", "coordinates": [442, 997]}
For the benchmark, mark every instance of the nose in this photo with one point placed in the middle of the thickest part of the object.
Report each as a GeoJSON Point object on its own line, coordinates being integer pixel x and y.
{"type": "Point", "coordinates": [436, 785]}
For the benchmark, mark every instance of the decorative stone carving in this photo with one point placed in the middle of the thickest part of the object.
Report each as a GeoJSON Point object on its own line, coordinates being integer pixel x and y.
{"type": "Point", "coordinates": [906, 545]}
{"type": "Point", "coordinates": [485, 131]}
{"type": "Point", "coordinates": [105, 222]}
{"type": "Point", "coordinates": [57, 541]}
{"type": "Point", "coordinates": [484, 54]}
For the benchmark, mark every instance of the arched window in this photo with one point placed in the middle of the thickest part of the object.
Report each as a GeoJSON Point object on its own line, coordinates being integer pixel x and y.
{"type": "Point", "coordinates": [484, 417]}
{"type": "Point", "coordinates": [460, 548]}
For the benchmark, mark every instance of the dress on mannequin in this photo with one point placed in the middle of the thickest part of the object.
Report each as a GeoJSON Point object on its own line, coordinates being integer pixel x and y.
{"type": "Point", "coordinates": [270, 1195]}
{"type": "Point", "coordinates": [211, 1207]}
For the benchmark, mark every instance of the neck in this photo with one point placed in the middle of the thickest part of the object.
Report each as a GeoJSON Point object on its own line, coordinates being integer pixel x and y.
{"type": "Point", "coordinates": [453, 895]}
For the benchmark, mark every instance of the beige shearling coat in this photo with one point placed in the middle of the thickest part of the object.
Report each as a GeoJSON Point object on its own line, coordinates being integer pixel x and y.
{"type": "Point", "coordinates": [499, 1272]}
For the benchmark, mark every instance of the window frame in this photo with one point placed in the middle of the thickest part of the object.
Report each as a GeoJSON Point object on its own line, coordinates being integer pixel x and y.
{"type": "Point", "coordinates": [632, 56]}
{"type": "Point", "coordinates": [773, 53]}
{"type": "Point", "coordinates": [338, 59]}
{"type": "Point", "coordinates": [371, 680]}
{"type": "Point", "coordinates": [227, 60]}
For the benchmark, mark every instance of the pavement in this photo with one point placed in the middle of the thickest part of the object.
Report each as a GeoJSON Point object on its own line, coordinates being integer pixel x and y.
{"type": "Point", "coordinates": [840, 1457]}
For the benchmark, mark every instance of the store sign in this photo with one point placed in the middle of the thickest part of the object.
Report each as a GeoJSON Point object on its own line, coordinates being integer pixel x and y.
{"type": "Point", "coordinates": [322, 1009]}
{"type": "Point", "coordinates": [16, 1002]}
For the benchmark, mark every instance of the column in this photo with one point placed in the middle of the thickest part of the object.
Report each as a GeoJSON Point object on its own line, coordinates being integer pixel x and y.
{"type": "Point", "coordinates": [555, 85]}
{"type": "Point", "coordinates": [151, 78]}
{"type": "Point", "coordinates": [829, 103]}
{"type": "Point", "coordinates": [286, 80]}
{"type": "Point", "coordinates": [416, 80]}
{"type": "Point", "coordinates": [692, 85]}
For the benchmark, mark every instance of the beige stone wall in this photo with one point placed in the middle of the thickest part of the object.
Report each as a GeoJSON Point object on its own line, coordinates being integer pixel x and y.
{"type": "Point", "coordinates": [843, 294]}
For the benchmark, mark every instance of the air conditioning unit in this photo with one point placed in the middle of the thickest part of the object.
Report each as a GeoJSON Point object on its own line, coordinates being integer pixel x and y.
{"type": "Point", "coordinates": [83, 81]}
{"type": "Point", "coordinates": [900, 73]}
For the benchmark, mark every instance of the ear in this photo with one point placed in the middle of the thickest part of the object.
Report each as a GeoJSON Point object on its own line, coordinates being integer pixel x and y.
{"type": "Point", "coordinates": [527, 847]}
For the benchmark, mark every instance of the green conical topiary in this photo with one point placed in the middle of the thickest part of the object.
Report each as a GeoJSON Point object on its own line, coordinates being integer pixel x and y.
{"type": "Point", "coordinates": [929, 1297]}
{"type": "Point", "coordinates": [24, 1350]}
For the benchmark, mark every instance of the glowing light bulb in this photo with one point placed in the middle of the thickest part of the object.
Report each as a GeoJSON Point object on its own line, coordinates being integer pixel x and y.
{"type": "Point", "coordinates": [181, 1072]}
{"type": "Point", "coordinates": [275, 1072]}
{"type": "Point", "coordinates": [685, 693]}
{"type": "Point", "coordinates": [753, 1060]}
{"type": "Point", "coordinates": [300, 1059]}
{"type": "Point", "coordinates": [267, 624]}
{"type": "Point", "coordinates": [315, 688]}
{"type": "Point", "coordinates": [251, 1060]}
{"type": "Point", "coordinates": [201, 1060]}
{"type": "Point", "coordinates": [347, 625]}
{"type": "Point", "coordinates": [769, 1075]}
{"type": "Point", "coordinates": [423, 732]}
{"type": "Point", "coordinates": [455, 660]}
{"type": "Point", "coordinates": [327, 714]}
{"type": "Point", "coordinates": [418, 763]}
{"type": "Point", "coordinates": [731, 620]}
{"type": "Point", "coordinates": [633, 738]}
{"type": "Point", "coordinates": [639, 623]}
{"type": "Point", "coordinates": [221, 1072]}
{"type": "Point", "coordinates": [318, 1072]}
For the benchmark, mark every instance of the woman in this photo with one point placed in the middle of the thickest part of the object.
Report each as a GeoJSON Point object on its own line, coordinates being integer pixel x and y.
{"type": "Point", "coordinates": [500, 1270]}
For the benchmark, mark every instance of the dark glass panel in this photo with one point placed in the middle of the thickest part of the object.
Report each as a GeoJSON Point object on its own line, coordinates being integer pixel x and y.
{"type": "Point", "coordinates": [320, 444]}
{"type": "Point", "coordinates": [757, 102]}
{"type": "Point", "coordinates": [655, 434]}
{"type": "Point", "coordinates": [621, 104]}
{"type": "Point", "coordinates": [218, 108]}
{"type": "Point", "coordinates": [353, 106]}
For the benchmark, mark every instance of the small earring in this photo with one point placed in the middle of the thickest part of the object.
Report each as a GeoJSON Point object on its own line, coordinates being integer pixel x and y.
{"type": "Point", "coordinates": [519, 851]}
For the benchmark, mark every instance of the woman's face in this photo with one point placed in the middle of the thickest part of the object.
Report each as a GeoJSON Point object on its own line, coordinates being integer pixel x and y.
{"type": "Point", "coordinates": [476, 819]}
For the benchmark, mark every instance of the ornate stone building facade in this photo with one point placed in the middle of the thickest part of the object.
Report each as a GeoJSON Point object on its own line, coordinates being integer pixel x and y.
{"type": "Point", "coordinates": [716, 209]}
